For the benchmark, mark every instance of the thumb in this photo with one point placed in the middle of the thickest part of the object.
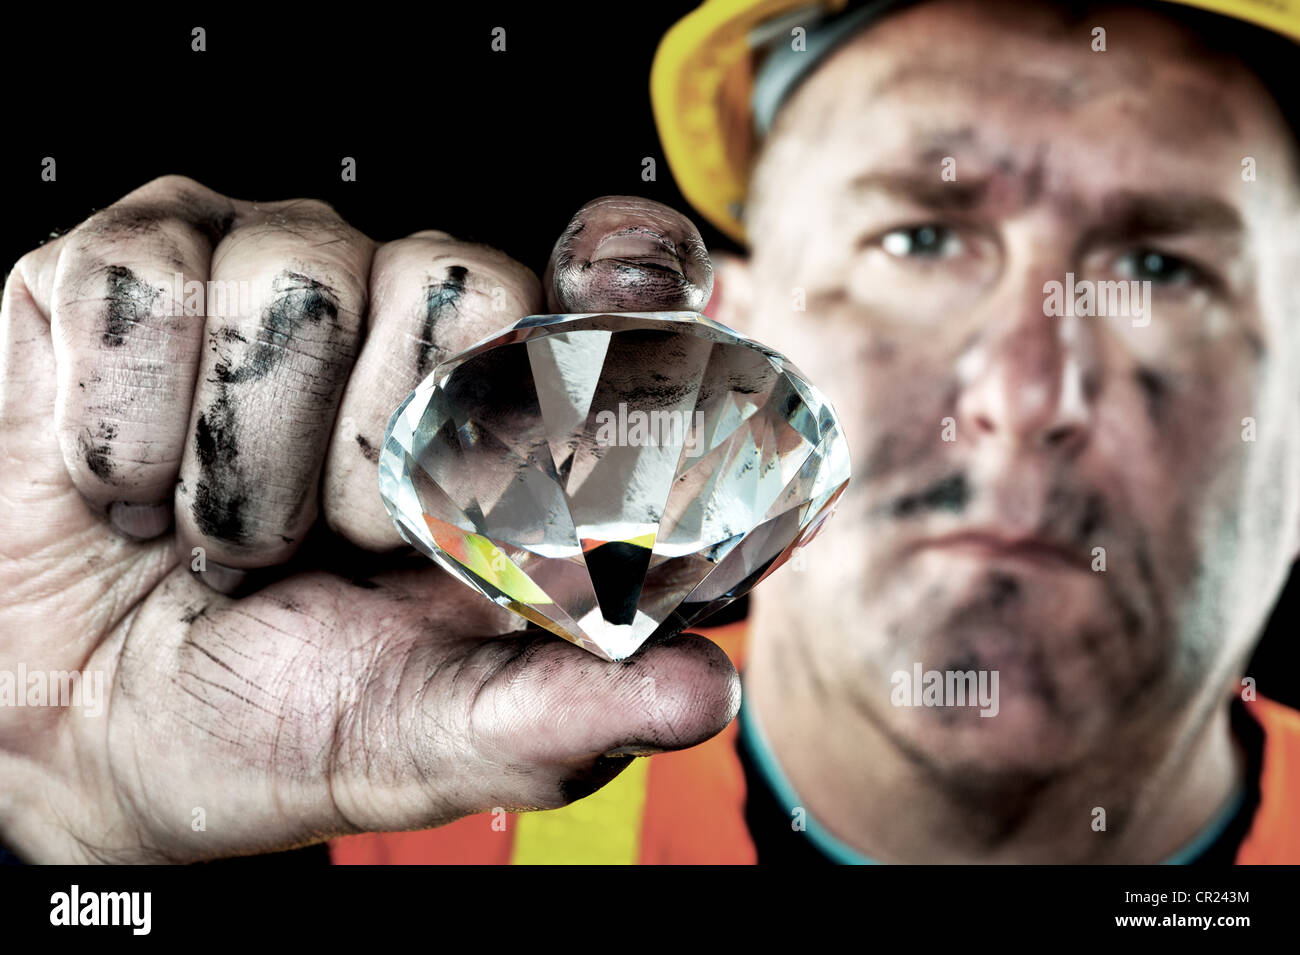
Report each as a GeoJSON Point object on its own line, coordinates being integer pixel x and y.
{"type": "Point", "coordinates": [578, 720]}
{"type": "Point", "coordinates": [519, 721]}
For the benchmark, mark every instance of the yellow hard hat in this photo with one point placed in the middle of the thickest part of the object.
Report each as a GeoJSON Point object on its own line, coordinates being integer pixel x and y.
{"type": "Point", "coordinates": [702, 83]}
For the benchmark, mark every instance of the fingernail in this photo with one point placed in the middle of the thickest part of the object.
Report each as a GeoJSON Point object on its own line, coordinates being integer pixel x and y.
{"type": "Point", "coordinates": [638, 246]}
{"type": "Point", "coordinates": [636, 749]}
{"type": "Point", "coordinates": [223, 579]}
{"type": "Point", "coordinates": [141, 521]}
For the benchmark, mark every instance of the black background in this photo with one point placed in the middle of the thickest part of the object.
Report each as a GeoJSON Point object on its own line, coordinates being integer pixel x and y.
{"type": "Point", "coordinates": [500, 148]}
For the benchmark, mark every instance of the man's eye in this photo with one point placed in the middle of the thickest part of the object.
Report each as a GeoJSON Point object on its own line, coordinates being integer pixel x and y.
{"type": "Point", "coordinates": [1147, 265]}
{"type": "Point", "coordinates": [925, 241]}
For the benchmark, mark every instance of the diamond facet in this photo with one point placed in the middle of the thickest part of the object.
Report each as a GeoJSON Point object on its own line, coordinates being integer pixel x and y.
{"type": "Point", "coordinates": [608, 477]}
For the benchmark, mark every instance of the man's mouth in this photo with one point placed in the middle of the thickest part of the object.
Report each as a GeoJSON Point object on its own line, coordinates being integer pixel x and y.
{"type": "Point", "coordinates": [993, 545]}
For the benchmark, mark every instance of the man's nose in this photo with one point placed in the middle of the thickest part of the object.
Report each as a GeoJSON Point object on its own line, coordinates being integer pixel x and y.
{"type": "Point", "coordinates": [1026, 378]}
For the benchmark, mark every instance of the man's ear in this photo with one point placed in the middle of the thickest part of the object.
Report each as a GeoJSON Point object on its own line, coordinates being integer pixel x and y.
{"type": "Point", "coordinates": [732, 295]}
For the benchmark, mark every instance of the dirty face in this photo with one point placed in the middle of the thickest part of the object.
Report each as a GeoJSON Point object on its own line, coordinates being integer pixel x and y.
{"type": "Point", "coordinates": [1072, 500]}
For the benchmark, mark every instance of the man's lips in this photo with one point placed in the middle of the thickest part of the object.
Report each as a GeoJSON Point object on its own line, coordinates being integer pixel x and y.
{"type": "Point", "coordinates": [991, 545]}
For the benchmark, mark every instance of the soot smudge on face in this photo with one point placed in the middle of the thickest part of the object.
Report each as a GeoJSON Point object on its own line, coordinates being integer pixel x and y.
{"type": "Point", "coordinates": [1153, 390]}
{"type": "Point", "coordinates": [130, 301]}
{"type": "Point", "coordinates": [950, 494]}
{"type": "Point", "coordinates": [440, 299]}
{"type": "Point", "coordinates": [1003, 589]}
{"type": "Point", "coordinates": [1094, 510]}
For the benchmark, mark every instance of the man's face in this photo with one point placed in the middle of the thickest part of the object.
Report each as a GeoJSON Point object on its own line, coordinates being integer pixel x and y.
{"type": "Point", "coordinates": [1003, 457]}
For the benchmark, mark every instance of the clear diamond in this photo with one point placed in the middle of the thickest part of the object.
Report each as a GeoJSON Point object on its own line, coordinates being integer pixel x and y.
{"type": "Point", "coordinates": [609, 477]}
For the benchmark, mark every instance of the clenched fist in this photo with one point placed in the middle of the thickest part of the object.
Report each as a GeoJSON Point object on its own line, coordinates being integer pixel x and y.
{"type": "Point", "coordinates": [161, 466]}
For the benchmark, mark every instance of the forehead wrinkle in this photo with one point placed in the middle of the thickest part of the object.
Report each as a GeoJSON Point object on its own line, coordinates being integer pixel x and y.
{"type": "Point", "coordinates": [988, 177]}
{"type": "Point", "coordinates": [1028, 164]}
{"type": "Point", "coordinates": [1175, 89]}
{"type": "Point", "coordinates": [936, 143]}
{"type": "Point", "coordinates": [982, 78]}
{"type": "Point", "coordinates": [932, 145]}
{"type": "Point", "coordinates": [1171, 107]}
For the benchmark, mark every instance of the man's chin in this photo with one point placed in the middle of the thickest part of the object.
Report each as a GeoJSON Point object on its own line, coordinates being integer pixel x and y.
{"type": "Point", "coordinates": [1014, 695]}
{"type": "Point", "coordinates": [988, 665]}
{"type": "Point", "coordinates": [1023, 734]}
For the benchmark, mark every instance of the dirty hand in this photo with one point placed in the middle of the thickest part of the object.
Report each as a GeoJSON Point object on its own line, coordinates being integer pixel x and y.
{"type": "Point", "coordinates": [160, 460]}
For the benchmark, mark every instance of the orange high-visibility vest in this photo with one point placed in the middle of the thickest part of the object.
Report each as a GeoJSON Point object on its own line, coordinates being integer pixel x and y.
{"type": "Point", "coordinates": [688, 807]}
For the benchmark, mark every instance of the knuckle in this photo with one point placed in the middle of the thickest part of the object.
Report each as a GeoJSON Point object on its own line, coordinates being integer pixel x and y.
{"type": "Point", "coordinates": [175, 205]}
{"type": "Point", "coordinates": [163, 229]}
{"type": "Point", "coordinates": [435, 251]}
{"type": "Point", "coordinates": [173, 185]}
{"type": "Point", "coordinates": [301, 216]}
{"type": "Point", "coordinates": [313, 209]}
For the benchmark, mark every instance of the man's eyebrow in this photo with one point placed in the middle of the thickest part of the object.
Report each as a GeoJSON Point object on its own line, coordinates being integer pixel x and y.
{"type": "Point", "coordinates": [1123, 215]}
{"type": "Point", "coordinates": [1130, 215]}
{"type": "Point", "coordinates": [924, 190]}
